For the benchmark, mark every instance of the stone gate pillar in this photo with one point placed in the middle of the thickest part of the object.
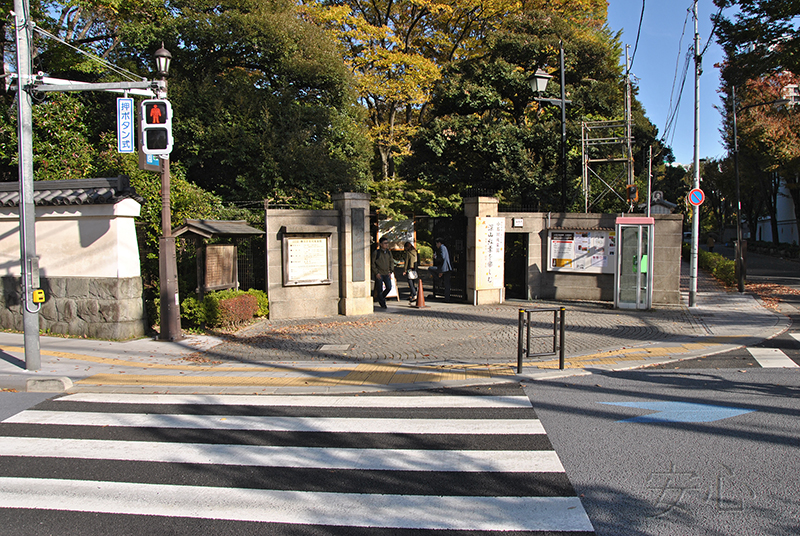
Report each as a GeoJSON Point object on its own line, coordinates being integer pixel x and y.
{"type": "Point", "coordinates": [355, 281]}
{"type": "Point", "coordinates": [474, 208]}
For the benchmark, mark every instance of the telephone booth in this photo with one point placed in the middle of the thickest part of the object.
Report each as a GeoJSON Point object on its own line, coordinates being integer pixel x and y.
{"type": "Point", "coordinates": [633, 281]}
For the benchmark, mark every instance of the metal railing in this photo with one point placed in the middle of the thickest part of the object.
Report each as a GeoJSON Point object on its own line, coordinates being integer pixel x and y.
{"type": "Point", "coordinates": [524, 338]}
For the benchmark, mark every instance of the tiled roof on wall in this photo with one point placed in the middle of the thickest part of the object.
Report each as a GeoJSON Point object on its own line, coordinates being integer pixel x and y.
{"type": "Point", "coordinates": [72, 192]}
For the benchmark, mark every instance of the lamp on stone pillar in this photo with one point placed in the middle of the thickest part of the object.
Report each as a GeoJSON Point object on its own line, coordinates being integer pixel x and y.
{"type": "Point", "coordinates": [170, 325]}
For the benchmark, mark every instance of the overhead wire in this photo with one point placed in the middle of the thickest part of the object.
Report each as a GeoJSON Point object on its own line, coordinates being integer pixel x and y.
{"type": "Point", "coordinates": [120, 71]}
{"type": "Point", "coordinates": [675, 100]}
{"type": "Point", "coordinates": [638, 35]}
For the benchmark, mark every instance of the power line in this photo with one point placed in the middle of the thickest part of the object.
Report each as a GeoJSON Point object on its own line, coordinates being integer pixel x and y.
{"type": "Point", "coordinates": [122, 72]}
{"type": "Point", "coordinates": [675, 100]}
{"type": "Point", "coordinates": [713, 31]}
{"type": "Point", "coordinates": [638, 34]}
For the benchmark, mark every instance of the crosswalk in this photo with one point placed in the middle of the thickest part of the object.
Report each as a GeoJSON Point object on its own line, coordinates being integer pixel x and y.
{"type": "Point", "coordinates": [771, 358]}
{"type": "Point", "coordinates": [409, 464]}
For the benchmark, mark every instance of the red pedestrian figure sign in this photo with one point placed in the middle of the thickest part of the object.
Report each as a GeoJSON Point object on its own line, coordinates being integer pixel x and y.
{"type": "Point", "coordinates": [156, 127]}
{"type": "Point", "coordinates": [155, 114]}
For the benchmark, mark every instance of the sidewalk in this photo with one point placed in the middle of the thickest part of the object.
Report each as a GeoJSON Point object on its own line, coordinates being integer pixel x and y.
{"type": "Point", "coordinates": [401, 348]}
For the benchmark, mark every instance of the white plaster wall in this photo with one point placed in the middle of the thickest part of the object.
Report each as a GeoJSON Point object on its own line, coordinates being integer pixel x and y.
{"type": "Point", "coordinates": [787, 220]}
{"type": "Point", "coordinates": [76, 240]}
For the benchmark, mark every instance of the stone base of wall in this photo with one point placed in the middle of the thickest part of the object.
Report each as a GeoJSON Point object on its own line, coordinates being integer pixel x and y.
{"type": "Point", "coordinates": [100, 308]}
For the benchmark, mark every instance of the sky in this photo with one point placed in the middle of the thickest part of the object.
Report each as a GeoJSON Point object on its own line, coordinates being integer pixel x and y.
{"type": "Point", "coordinates": [665, 38]}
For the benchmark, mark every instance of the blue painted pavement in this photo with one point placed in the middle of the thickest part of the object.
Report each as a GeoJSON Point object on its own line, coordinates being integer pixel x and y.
{"type": "Point", "coordinates": [680, 412]}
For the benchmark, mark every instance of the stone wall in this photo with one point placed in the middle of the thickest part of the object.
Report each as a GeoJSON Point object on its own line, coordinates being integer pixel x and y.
{"type": "Point", "coordinates": [348, 290]}
{"type": "Point", "coordinates": [550, 285]}
{"type": "Point", "coordinates": [100, 308]}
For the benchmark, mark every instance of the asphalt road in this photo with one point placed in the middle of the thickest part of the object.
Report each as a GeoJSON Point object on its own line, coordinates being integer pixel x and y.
{"type": "Point", "coordinates": [657, 476]}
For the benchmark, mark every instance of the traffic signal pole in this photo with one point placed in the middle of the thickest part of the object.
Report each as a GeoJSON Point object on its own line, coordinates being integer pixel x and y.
{"type": "Point", "coordinates": [27, 210]}
{"type": "Point", "coordinates": [170, 324]}
{"type": "Point", "coordinates": [26, 83]}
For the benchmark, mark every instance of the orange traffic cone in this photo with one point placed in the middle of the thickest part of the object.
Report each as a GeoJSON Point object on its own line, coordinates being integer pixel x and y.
{"type": "Point", "coordinates": [420, 296]}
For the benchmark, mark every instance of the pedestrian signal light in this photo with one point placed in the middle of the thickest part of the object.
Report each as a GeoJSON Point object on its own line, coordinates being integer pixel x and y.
{"type": "Point", "coordinates": [156, 121]}
{"type": "Point", "coordinates": [633, 193]}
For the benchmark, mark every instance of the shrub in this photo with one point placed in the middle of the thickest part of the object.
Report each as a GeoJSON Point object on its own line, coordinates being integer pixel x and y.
{"type": "Point", "coordinates": [237, 310]}
{"type": "Point", "coordinates": [726, 272]}
{"type": "Point", "coordinates": [193, 312]}
{"type": "Point", "coordinates": [424, 253]}
{"type": "Point", "coordinates": [263, 302]}
{"type": "Point", "coordinates": [225, 308]}
{"type": "Point", "coordinates": [721, 268]}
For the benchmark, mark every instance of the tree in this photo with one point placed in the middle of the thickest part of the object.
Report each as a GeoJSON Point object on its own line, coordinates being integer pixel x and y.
{"type": "Point", "coordinates": [397, 50]}
{"type": "Point", "coordinates": [265, 101]}
{"type": "Point", "coordinates": [769, 143]}
{"type": "Point", "coordinates": [761, 37]}
{"type": "Point", "coordinates": [488, 132]}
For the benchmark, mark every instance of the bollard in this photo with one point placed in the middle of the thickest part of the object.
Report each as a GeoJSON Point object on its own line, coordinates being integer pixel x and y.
{"type": "Point", "coordinates": [520, 340]}
{"type": "Point", "coordinates": [524, 340]}
{"type": "Point", "coordinates": [561, 341]}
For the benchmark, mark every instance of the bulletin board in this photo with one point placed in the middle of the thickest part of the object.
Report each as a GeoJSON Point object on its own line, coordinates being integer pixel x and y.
{"type": "Point", "coordinates": [306, 259]}
{"type": "Point", "coordinates": [581, 251]}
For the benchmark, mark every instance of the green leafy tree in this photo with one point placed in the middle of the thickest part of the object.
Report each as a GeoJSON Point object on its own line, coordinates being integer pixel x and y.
{"type": "Point", "coordinates": [488, 132]}
{"type": "Point", "coordinates": [759, 37]}
{"type": "Point", "coordinates": [265, 103]}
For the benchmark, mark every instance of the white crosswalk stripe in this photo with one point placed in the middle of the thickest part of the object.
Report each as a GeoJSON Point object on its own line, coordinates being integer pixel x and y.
{"type": "Point", "coordinates": [371, 463]}
{"type": "Point", "coordinates": [772, 358]}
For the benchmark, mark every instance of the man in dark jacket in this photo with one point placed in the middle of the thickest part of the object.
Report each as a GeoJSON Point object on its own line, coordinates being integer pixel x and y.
{"type": "Point", "coordinates": [382, 268]}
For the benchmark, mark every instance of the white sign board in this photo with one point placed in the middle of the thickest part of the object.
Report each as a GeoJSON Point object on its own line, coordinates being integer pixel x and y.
{"type": "Point", "coordinates": [588, 252]}
{"type": "Point", "coordinates": [306, 260]}
{"type": "Point", "coordinates": [126, 125]}
{"type": "Point", "coordinates": [490, 253]}
{"type": "Point", "coordinates": [398, 232]}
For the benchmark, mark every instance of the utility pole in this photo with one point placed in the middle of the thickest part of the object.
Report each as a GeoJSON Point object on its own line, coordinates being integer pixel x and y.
{"type": "Point", "coordinates": [29, 261]}
{"type": "Point", "coordinates": [27, 211]}
{"type": "Point", "coordinates": [628, 143]}
{"type": "Point", "coordinates": [696, 183]}
{"type": "Point", "coordinates": [563, 129]}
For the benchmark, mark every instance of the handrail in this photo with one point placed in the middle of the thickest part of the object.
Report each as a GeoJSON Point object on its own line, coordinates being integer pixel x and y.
{"type": "Point", "coordinates": [524, 343]}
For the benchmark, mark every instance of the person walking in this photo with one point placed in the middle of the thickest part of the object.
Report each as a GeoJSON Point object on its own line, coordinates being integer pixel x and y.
{"type": "Point", "coordinates": [441, 268]}
{"type": "Point", "coordinates": [410, 269]}
{"type": "Point", "coordinates": [382, 268]}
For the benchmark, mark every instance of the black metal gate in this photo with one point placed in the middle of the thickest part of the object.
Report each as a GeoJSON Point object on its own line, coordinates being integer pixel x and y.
{"type": "Point", "coordinates": [453, 231]}
{"type": "Point", "coordinates": [516, 266]}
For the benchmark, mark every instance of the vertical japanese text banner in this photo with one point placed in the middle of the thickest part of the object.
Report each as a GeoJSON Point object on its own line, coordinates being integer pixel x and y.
{"type": "Point", "coordinates": [490, 253]}
{"type": "Point", "coordinates": [125, 125]}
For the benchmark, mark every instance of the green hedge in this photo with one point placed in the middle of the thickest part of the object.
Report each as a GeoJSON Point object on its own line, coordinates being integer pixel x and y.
{"type": "Point", "coordinates": [226, 308]}
{"type": "Point", "coordinates": [721, 268]}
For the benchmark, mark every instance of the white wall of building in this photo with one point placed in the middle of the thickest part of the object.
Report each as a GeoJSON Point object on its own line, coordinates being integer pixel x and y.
{"type": "Point", "coordinates": [76, 240]}
{"type": "Point", "coordinates": [787, 220]}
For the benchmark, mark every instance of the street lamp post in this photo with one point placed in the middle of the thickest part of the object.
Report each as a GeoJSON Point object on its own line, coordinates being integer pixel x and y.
{"type": "Point", "coordinates": [170, 325]}
{"type": "Point", "coordinates": [789, 99]}
{"type": "Point", "coordinates": [538, 84]}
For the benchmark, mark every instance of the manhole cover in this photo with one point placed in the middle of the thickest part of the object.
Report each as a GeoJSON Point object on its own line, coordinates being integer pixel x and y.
{"type": "Point", "coordinates": [334, 347]}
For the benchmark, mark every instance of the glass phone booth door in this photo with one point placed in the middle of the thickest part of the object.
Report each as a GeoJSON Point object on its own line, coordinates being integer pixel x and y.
{"type": "Point", "coordinates": [633, 282]}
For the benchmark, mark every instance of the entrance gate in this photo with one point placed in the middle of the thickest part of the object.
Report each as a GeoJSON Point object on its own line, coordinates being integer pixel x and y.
{"type": "Point", "coordinates": [453, 230]}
